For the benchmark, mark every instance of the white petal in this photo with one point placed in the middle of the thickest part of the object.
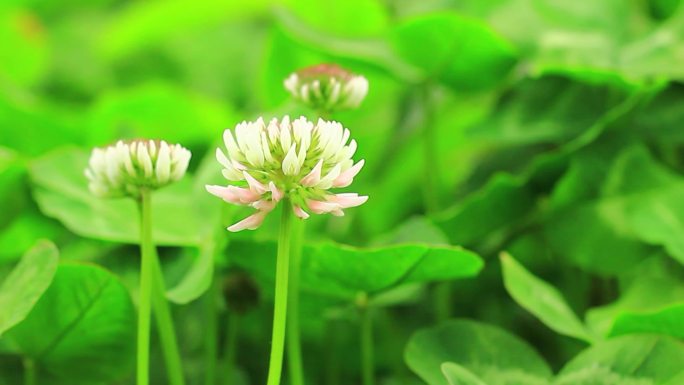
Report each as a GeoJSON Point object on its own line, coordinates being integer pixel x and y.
{"type": "Point", "coordinates": [291, 162]}
{"type": "Point", "coordinates": [163, 166]}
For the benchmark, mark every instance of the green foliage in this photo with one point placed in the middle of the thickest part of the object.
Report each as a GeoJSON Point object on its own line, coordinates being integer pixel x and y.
{"type": "Point", "coordinates": [541, 299]}
{"type": "Point", "coordinates": [461, 52]}
{"type": "Point", "coordinates": [550, 129]}
{"type": "Point", "coordinates": [637, 359]}
{"type": "Point", "coordinates": [26, 284]}
{"type": "Point", "coordinates": [342, 272]}
{"type": "Point", "coordinates": [81, 330]}
{"type": "Point", "coordinates": [62, 192]}
{"type": "Point", "coordinates": [483, 353]}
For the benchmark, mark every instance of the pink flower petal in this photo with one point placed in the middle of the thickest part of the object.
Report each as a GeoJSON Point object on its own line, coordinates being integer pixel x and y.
{"type": "Point", "coordinates": [234, 195]}
{"type": "Point", "coordinates": [313, 177]}
{"type": "Point", "coordinates": [320, 207]}
{"type": "Point", "coordinates": [346, 177]}
{"type": "Point", "coordinates": [254, 184]}
{"type": "Point", "coordinates": [276, 194]}
{"type": "Point", "coordinates": [250, 223]}
{"type": "Point", "coordinates": [264, 205]}
{"type": "Point", "coordinates": [299, 212]}
{"type": "Point", "coordinates": [346, 200]}
{"type": "Point", "coordinates": [223, 193]}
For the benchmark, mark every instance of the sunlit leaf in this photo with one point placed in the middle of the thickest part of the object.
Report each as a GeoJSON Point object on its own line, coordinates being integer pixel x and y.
{"type": "Point", "coordinates": [342, 272]}
{"type": "Point", "coordinates": [181, 213]}
{"type": "Point", "coordinates": [541, 299]}
{"type": "Point", "coordinates": [486, 352]}
{"type": "Point", "coordinates": [458, 375]}
{"type": "Point", "coordinates": [28, 281]}
{"type": "Point", "coordinates": [86, 325]}
{"type": "Point", "coordinates": [461, 52]}
{"type": "Point", "coordinates": [639, 359]}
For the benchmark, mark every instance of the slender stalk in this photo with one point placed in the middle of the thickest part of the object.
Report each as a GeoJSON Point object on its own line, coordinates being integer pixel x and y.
{"type": "Point", "coordinates": [211, 335]}
{"type": "Point", "coordinates": [231, 342]}
{"type": "Point", "coordinates": [280, 311]}
{"type": "Point", "coordinates": [430, 161]}
{"type": "Point", "coordinates": [366, 328]}
{"type": "Point", "coordinates": [146, 283]}
{"type": "Point", "coordinates": [442, 291]}
{"type": "Point", "coordinates": [30, 372]}
{"type": "Point", "coordinates": [294, 345]}
{"type": "Point", "coordinates": [442, 298]}
{"type": "Point", "coordinates": [165, 327]}
{"type": "Point", "coordinates": [332, 359]}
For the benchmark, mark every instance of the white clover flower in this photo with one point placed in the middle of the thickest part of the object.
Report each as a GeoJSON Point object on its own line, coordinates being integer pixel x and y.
{"type": "Point", "coordinates": [327, 87]}
{"type": "Point", "coordinates": [123, 169]}
{"type": "Point", "coordinates": [296, 160]}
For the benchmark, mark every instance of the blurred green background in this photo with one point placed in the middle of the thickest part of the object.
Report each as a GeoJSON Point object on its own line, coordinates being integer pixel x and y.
{"type": "Point", "coordinates": [549, 128]}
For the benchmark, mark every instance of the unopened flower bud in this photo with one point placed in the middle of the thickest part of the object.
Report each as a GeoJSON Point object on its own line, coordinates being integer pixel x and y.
{"type": "Point", "coordinates": [327, 87]}
{"type": "Point", "coordinates": [123, 169]}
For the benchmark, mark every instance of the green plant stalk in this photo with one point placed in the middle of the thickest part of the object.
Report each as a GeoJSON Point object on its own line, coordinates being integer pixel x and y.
{"type": "Point", "coordinates": [165, 327]}
{"type": "Point", "coordinates": [441, 291]}
{"type": "Point", "coordinates": [294, 345]}
{"type": "Point", "coordinates": [146, 284]}
{"type": "Point", "coordinates": [430, 161]}
{"type": "Point", "coordinates": [367, 360]}
{"type": "Point", "coordinates": [275, 367]}
{"type": "Point", "coordinates": [231, 342]}
{"type": "Point", "coordinates": [211, 334]}
{"type": "Point", "coordinates": [30, 373]}
{"type": "Point", "coordinates": [442, 297]}
{"type": "Point", "coordinates": [332, 361]}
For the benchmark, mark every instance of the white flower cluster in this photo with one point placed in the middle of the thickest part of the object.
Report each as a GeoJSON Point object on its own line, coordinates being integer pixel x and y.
{"type": "Point", "coordinates": [327, 87]}
{"type": "Point", "coordinates": [297, 160]}
{"type": "Point", "coordinates": [123, 169]}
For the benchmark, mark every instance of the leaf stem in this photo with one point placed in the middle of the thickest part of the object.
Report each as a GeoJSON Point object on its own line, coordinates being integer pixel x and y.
{"type": "Point", "coordinates": [30, 372]}
{"type": "Point", "coordinates": [431, 169]}
{"type": "Point", "coordinates": [281, 285]}
{"type": "Point", "coordinates": [294, 346]}
{"type": "Point", "coordinates": [146, 283]}
{"type": "Point", "coordinates": [442, 291]}
{"type": "Point", "coordinates": [442, 297]}
{"type": "Point", "coordinates": [211, 334]}
{"type": "Point", "coordinates": [165, 327]}
{"type": "Point", "coordinates": [231, 342]}
{"type": "Point", "coordinates": [366, 329]}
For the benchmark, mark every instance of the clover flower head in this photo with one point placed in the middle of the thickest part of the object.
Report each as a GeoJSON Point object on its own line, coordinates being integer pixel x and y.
{"type": "Point", "coordinates": [327, 87]}
{"type": "Point", "coordinates": [297, 160]}
{"type": "Point", "coordinates": [123, 169]}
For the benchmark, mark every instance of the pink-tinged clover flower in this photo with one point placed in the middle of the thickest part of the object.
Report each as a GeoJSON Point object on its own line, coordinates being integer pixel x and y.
{"type": "Point", "coordinates": [297, 160]}
{"type": "Point", "coordinates": [327, 87]}
{"type": "Point", "coordinates": [123, 169]}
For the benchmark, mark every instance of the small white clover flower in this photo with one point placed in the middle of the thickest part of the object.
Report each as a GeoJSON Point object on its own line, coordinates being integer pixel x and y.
{"type": "Point", "coordinates": [327, 87]}
{"type": "Point", "coordinates": [123, 169]}
{"type": "Point", "coordinates": [296, 160]}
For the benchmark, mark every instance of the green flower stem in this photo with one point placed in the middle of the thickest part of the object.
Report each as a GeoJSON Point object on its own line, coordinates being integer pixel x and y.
{"type": "Point", "coordinates": [442, 298]}
{"type": "Point", "coordinates": [165, 327]}
{"type": "Point", "coordinates": [442, 291]}
{"type": "Point", "coordinates": [294, 346]}
{"type": "Point", "coordinates": [280, 312]}
{"type": "Point", "coordinates": [231, 342]}
{"type": "Point", "coordinates": [153, 296]}
{"type": "Point", "coordinates": [30, 372]}
{"type": "Point", "coordinates": [366, 328]}
{"type": "Point", "coordinates": [146, 282]}
{"type": "Point", "coordinates": [332, 359]}
{"type": "Point", "coordinates": [431, 160]}
{"type": "Point", "coordinates": [211, 334]}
